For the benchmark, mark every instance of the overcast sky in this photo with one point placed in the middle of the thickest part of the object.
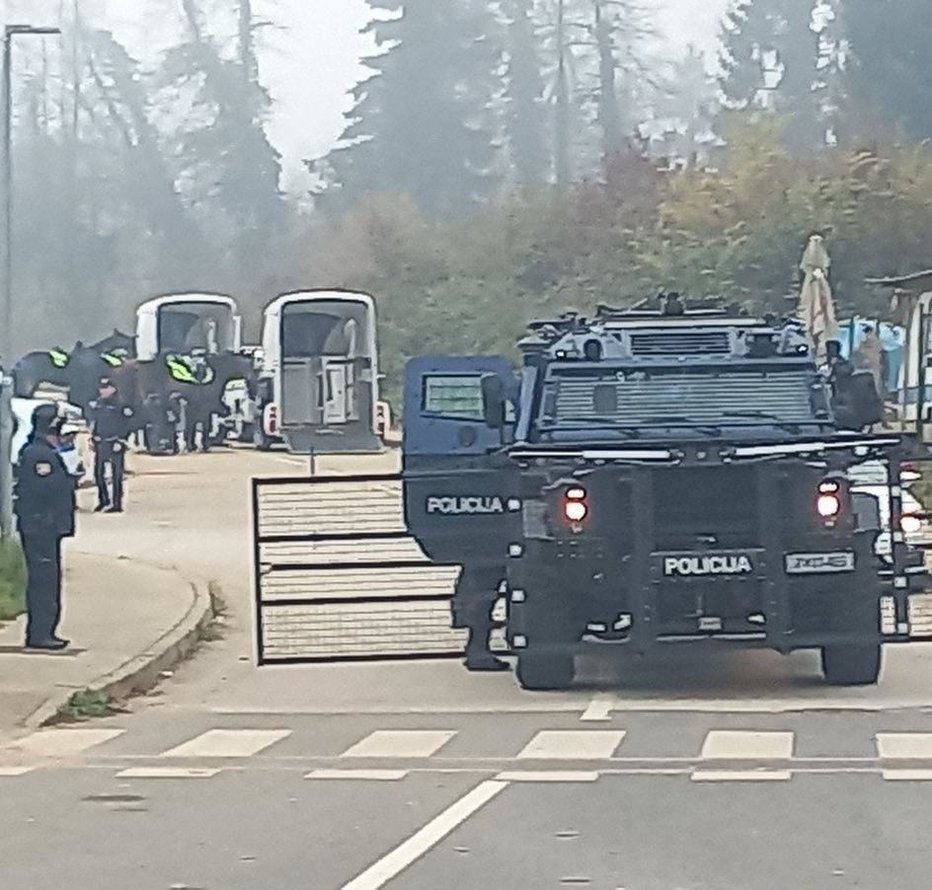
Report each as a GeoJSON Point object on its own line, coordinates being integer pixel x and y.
{"type": "Point", "coordinates": [313, 57]}
{"type": "Point", "coordinates": [318, 58]}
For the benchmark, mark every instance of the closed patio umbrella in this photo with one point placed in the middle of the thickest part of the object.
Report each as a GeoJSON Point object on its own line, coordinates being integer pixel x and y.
{"type": "Point", "coordinates": [816, 304]}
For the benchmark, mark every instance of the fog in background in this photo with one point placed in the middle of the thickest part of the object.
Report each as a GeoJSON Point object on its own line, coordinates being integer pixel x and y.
{"type": "Point", "coordinates": [498, 158]}
{"type": "Point", "coordinates": [311, 56]}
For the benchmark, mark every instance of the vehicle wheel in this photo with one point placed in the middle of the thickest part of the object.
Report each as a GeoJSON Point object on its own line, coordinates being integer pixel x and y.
{"type": "Point", "coordinates": [544, 672]}
{"type": "Point", "coordinates": [247, 433]}
{"type": "Point", "coordinates": [851, 665]}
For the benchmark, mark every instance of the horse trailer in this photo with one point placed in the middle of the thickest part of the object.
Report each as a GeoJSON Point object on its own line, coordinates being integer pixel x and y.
{"type": "Point", "coordinates": [188, 324]}
{"type": "Point", "coordinates": [319, 379]}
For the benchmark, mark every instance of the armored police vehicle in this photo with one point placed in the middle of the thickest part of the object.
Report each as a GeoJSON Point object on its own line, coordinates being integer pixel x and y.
{"type": "Point", "coordinates": [663, 476]}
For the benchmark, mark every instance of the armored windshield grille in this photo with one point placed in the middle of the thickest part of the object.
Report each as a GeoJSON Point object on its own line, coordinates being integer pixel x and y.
{"type": "Point", "coordinates": [680, 343]}
{"type": "Point", "coordinates": [701, 397]}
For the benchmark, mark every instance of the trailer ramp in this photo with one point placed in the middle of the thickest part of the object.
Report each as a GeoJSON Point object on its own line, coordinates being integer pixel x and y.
{"type": "Point", "coordinates": [337, 577]}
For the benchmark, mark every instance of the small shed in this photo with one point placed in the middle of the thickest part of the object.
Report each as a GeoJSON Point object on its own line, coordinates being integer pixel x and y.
{"type": "Point", "coordinates": [911, 307]}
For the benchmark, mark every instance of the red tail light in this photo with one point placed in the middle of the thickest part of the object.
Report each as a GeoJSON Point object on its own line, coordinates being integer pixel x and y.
{"type": "Point", "coordinates": [575, 507]}
{"type": "Point", "coordinates": [828, 504]}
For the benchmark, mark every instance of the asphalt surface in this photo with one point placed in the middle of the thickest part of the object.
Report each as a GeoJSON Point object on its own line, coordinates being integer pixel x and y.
{"type": "Point", "coordinates": [727, 770]}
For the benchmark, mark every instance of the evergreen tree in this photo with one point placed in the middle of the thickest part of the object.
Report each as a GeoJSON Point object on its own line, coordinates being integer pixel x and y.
{"type": "Point", "coordinates": [524, 90]}
{"type": "Point", "coordinates": [682, 132]}
{"type": "Point", "coordinates": [891, 68]}
{"type": "Point", "coordinates": [420, 124]}
{"type": "Point", "coordinates": [774, 56]}
{"type": "Point", "coordinates": [225, 164]}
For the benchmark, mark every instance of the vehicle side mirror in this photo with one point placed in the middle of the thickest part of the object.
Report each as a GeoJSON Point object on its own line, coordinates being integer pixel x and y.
{"type": "Point", "coordinates": [493, 401]}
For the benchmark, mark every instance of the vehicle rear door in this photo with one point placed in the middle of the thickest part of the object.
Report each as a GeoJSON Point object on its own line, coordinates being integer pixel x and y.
{"type": "Point", "coordinates": [456, 476]}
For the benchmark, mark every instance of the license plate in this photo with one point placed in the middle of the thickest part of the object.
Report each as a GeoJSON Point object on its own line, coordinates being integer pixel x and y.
{"type": "Point", "coordinates": [820, 563]}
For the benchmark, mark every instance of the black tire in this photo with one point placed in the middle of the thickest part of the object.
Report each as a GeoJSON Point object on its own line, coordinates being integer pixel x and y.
{"type": "Point", "coordinates": [545, 672]}
{"type": "Point", "coordinates": [852, 665]}
{"type": "Point", "coordinates": [247, 433]}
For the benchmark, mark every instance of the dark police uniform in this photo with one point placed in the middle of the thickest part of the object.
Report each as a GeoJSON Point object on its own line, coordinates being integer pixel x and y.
{"type": "Point", "coordinates": [110, 430]}
{"type": "Point", "coordinates": [45, 507]}
{"type": "Point", "coordinates": [473, 605]}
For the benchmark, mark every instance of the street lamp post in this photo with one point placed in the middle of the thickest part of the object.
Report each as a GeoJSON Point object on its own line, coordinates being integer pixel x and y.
{"type": "Point", "coordinates": [6, 277]}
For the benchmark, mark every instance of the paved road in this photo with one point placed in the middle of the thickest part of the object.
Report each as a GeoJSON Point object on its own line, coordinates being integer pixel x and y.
{"type": "Point", "coordinates": [738, 771]}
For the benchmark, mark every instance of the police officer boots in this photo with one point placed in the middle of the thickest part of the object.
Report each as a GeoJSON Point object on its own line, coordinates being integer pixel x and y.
{"type": "Point", "coordinates": [56, 644]}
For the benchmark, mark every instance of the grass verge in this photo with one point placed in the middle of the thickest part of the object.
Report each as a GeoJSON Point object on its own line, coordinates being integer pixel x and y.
{"type": "Point", "coordinates": [213, 631]}
{"type": "Point", "coordinates": [88, 705]}
{"type": "Point", "coordinates": [12, 580]}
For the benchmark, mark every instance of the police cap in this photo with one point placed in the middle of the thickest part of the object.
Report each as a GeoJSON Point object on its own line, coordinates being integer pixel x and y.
{"type": "Point", "coordinates": [45, 420]}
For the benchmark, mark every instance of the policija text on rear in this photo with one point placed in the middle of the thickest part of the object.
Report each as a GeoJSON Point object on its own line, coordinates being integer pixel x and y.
{"type": "Point", "coordinates": [663, 476]}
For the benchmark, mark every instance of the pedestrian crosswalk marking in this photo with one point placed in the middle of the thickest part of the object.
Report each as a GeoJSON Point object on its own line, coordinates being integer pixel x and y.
{"type": "Point", "coordinates": [366, 775]}
{"type": "Point", "coordinates": [766, 775]}
{"type": "Point", "coordinates": [572, 744]}
{"type": "Point", "coordinates": [228, 743]}
{"type": "Point", "coordinates": [63, 742]}
{"type": "Point", "coordinates": [902, 755]}
{"type": "Point", "coordinates": [166, 772]}
{"type": "Point", "coordinates": [907, 775]}
{"type": "Point", "coordinates": [743, 745]}
{"type": "Point", "coordinates": [401, 743]}
{"type": "Point", "coordinates": [548, 776]}
{"type": "Point", "coordinates": [904, 745]}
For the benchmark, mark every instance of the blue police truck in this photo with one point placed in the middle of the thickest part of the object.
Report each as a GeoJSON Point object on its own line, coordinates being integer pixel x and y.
{"type": "Point", "coordinates": [658, 476]}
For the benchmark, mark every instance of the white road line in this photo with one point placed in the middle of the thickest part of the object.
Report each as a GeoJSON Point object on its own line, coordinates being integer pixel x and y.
{"type": "Point", "coordinates": [401, 743]}
{"type": "Point", "coordinates": [228, 743]}
{"type": "Point", "coordinates": [166, 772]}
{"type": "Point", "coordinates": [572, 744]}
{"type": "Point", "coordinates": [553, 776]}
{"type": "Point", "coordinates": [600, 708]}
{"type": "Point", "coordinates": [390, 866]}
{"type": "Point", "coordinates": [904, 745]}
{"type": "Point", "coordinates": [770, 775]}
{"type": "Point", "coordinates": [10, 772]}
{"type": "Point", "coordinates": [63, 742]}
{"type": "Point", "coordinates": [740, 745]}
{"type": "Point", "coordinates": [907, 775]}
{"type": "Point", "coordinates": [362, 775]}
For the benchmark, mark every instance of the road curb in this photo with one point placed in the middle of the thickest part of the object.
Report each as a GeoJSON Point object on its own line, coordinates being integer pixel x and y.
{"type": "Point", "coordinates": [142, 673]}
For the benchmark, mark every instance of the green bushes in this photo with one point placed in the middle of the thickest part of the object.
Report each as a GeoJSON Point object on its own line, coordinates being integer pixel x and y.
{"type": "Point", "coordinates": [469, 285]}
{"type": "Point", "coordinates": [12, 580]}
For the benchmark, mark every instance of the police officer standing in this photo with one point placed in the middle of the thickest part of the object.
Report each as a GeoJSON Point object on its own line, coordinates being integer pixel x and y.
{"type": "Point", "coordinates": [45, 507]}
{"type": "Point", "coordinates": [110, 423]}
{"type": "Point", "coordinates": [473, 605]}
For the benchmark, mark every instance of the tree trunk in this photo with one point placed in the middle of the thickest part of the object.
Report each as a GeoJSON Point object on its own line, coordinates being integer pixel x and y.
{"type": "Point", "coordinates": [193, 17]}
{"type": "Point", "coordinates": [247, 50]}
{"type": "Point", "coordinates": [609, 118]}
{"type": "Point", "coordinates": [561, 140]}
{"type": "Point", "coordinates": [526, 126]}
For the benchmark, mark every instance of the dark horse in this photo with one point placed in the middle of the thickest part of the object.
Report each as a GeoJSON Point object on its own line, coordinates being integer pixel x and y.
{"type": "Point", "coordinates": [154, 392]}
{"type": "Point", "coordinates": [78, 372]}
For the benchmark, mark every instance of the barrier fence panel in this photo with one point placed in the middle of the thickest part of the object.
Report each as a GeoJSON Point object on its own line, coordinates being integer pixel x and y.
{"type": "Point", "coordinates": [338, 578]}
